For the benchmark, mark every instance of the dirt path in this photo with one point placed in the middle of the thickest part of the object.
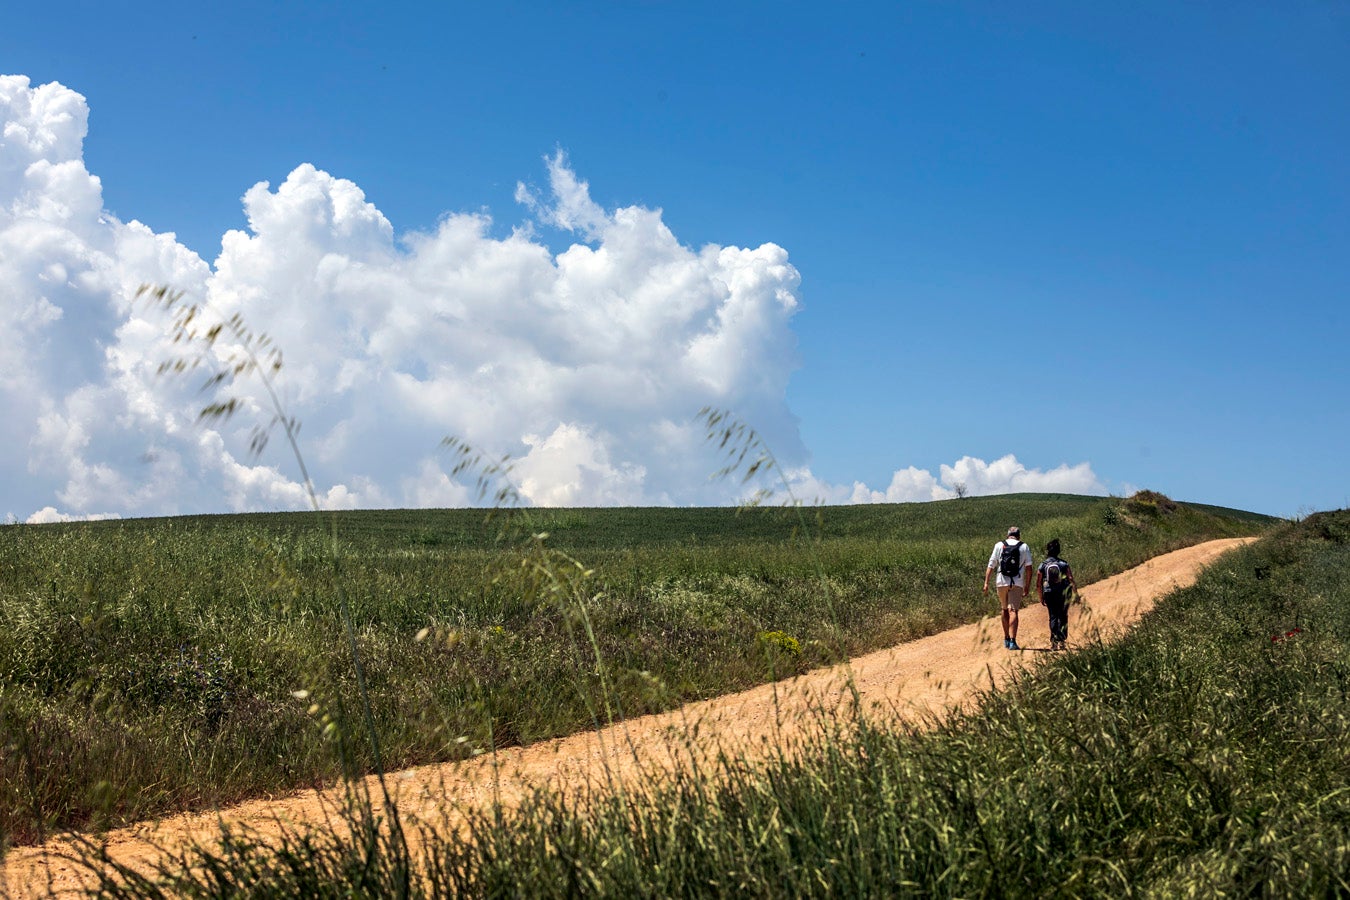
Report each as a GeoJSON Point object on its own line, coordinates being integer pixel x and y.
{"type": "Point", "coordinates": [905, 682]}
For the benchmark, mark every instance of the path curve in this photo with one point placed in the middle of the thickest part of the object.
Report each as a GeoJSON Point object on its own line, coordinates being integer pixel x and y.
{"type": "Point", "coordinates": [904, 683]}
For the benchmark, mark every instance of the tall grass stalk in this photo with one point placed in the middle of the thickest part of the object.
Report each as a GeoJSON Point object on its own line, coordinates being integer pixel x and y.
{"type": "Point", "coordinates": [747, 454]}
{"type": "Point", "coordinates": [247, 354]}
{"type": "Point", "coordinates": [554, 575]}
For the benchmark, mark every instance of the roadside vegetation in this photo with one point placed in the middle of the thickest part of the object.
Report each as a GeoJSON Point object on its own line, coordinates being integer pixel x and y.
{"type": "Point", "coordinates": [151, 666]}
{"type": "Point", "coordinates": [1205, 754]}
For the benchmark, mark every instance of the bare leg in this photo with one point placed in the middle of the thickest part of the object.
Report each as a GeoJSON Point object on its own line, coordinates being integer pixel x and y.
{"type": "Point", "coordinates": [1003, 602]}
{"type": "Point", "coordinates": [1010, 598]}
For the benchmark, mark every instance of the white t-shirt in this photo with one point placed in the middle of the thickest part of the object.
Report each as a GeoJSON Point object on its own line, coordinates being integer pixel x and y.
{"type": "Point", "coordinates": [1003, 580]}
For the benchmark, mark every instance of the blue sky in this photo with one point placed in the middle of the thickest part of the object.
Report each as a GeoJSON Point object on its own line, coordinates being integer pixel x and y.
{"type": "Point", "coordinates": [1111, 244]}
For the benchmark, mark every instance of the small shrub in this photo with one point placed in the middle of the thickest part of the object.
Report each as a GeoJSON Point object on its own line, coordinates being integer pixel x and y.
{"type": "Point", "coordinates": [779, 641]}
{"type": "Point", "coordinates": [1150, 503]}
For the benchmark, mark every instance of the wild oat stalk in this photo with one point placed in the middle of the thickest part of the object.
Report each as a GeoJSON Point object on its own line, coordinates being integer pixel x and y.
{"type": "Point", "coordinates": [548, 572]}
{"type": "Point", "coordinates": [252, 353]}
{"type": "Point", "coordinates": [544, 572]}
{"type": "Point", "coordinates": [747, 453]}
{"type": "Point", "coordinates": [490, 474]}
{"type": "Point", "coordinates": [229, 350]}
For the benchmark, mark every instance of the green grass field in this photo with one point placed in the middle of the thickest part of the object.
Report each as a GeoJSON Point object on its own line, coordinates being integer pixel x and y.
{"type": "Point", "coordinates": [1204, 755]}
{"type": "Point", "coordinates": [149, 666]}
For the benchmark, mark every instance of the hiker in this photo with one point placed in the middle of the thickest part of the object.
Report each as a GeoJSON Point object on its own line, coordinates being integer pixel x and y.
{"type": "Point", "coordinates": [1012, 560]}
{"type": "Point", "coordinates": [1055, 584]}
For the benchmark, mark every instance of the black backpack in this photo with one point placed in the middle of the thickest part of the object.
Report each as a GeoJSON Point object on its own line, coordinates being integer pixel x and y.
{"type": "Point", "coordinates": [1056, 580]}
{"type": "Point", "coordinates": [1010, 564]}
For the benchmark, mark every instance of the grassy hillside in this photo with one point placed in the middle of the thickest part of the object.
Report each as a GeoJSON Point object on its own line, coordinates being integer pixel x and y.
{"type": "Point", "coordinates": [1206, 754]}
{"type": "Point", "coordinates": [154, 665]}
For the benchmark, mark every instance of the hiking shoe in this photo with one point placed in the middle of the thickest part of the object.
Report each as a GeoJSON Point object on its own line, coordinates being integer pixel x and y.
{"type": "Point", "coordinates": [1007, 644]}
{"type": "Point", "coordinates": [1012, 645]}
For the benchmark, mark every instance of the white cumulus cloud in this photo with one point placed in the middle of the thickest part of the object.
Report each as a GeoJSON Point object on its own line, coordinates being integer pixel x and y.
{"type": "Point", "coordinates": [49, 515]}
{"type": "Point", "coordinates": [968, 476]}
{"type": "Point", "coordinates": [586, 365]}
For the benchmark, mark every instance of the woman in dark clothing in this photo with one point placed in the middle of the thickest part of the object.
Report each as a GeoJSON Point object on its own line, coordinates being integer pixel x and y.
{"type": "Point", "coordinates": [1055, 584]}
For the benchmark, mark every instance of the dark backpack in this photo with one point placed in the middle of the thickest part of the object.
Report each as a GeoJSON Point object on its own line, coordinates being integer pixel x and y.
{"type": "Point", "coordinates": [1010, 564]}
{"type": "Point", "coordinates": [1056, 577]}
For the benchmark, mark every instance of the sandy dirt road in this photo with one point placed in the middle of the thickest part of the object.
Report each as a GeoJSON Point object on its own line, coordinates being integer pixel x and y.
{"type": "Point", "coordinates": [906, 682]}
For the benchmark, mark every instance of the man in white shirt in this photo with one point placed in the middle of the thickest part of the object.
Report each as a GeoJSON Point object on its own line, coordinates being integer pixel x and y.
{"type": "Point", "coordinates": [1011, 559]}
